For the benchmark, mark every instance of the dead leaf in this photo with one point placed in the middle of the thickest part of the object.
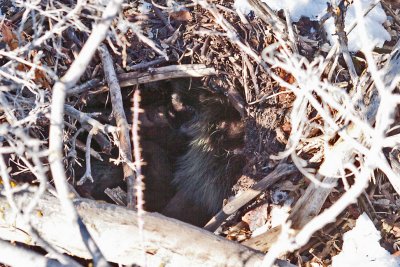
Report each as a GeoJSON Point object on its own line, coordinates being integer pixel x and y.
{"type": "Point", "coordinates": [9, 37]}
{"type": "Point", "coordinates": [182, 15]}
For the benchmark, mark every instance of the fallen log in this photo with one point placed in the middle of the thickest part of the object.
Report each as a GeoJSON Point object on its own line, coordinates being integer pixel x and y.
{"type": "Point", "coordinates": [115, 230]}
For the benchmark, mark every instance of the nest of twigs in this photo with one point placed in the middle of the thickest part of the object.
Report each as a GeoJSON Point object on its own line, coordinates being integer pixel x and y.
{"type": "Point", "coordinates": [79, 115]}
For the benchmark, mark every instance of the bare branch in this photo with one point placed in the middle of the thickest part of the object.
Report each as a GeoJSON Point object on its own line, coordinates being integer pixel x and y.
{"type": "Point", "coordinates": [57, 121]}
{"type": "Point", "coordinates": [122, 123]}
{"type": "Point", "coordinates": [20, 257]}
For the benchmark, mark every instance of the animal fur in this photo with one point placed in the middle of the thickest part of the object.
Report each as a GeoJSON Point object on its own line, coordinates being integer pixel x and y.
{"type": "Point", "coordinates": [205, 174]}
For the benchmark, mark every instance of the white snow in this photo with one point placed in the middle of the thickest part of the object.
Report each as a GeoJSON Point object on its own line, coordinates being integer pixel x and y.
{"type": "Point", "coordinates": [308, 8]}
{"type": "Point", "coordinates": [361, 247]}
{"type": "Point", "coordinates": [315, 9]}
{"type": "Point", "coordinates": [279, 212]}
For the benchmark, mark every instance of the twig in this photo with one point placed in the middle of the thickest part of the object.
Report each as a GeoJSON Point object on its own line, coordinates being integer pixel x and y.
{"type": "Point", "coordinates": [88, 171]}
{"type": "Point", "coordinates": [119, 114]}
{"type": "Point", "coordinates": [252, 74]}
{"type": "Point", "coordinates": [263, 11]}
{"type": "Point", "coordinates": [57, 122]}
{"type": "Point", "coordinates": [339, 18]}
{"type": "Point", "coordinates": [233, 36]}
{"type": "Point", "coordinates": [20, 257]}
{"type": "Point", "coordinates": [72, 152]}
{"type": "Point", "coordinates": [145, 65]}
{"type": "Point", "coordinates": [7, 184]}
{"type": "Point", "coordinates": [101, 139]}
{"type": "Point", "coordinates": [155, 74]}
{"type": "Point", "coordinates": [117, 195]}
{"type": "Point", "coordinates": [264, 241]}
{"type": "Point", "coordinates": [140, 187]}
{"type": "Point", "coordinates": [244, 81]}
{"type": "Point", "coordinates": [391, 12]}
{"type": "Point", "coordinates": [85, 118]}
{"type": "Point", "coordinates": [241, 200]}
{"type": "Point", "coordinates": [266, 97]}
{"type": "Point", "coordinates": [236, 99]}
{"type": "Point", "coordinates": [136, 30]}
{"type": "Point", "coordinates": [204, 48]}
{"type": "Point", "coordinates": [164, 73]}
{"type": "Point", "coordinates": [160, 14]}
{"type": "Point", "coordinates": [82, 147]}
{"type": "Point", "coordinates": [73, 155]}
{"type": "Point", "coordinates": [292, 36]}
{"type": "Point", "coordinates": [85, 87]}
{"type": "Point", "coordinates": [33, 65]}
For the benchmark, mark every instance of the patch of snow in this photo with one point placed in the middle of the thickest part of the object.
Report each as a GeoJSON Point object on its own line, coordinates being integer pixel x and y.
{"type": "Point", "coordinates": [376, 33]}
{"type": "Point", "coordinates": [278, 214]}
{"type": "Point", "coordinates": [315, 9]}
{"type": "Point", "coordinates": [361, 247]}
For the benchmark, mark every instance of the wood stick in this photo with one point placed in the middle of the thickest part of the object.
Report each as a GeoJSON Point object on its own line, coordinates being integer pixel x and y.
{"type": "Point", "coordinates": [20, 257]}
{"type": "Point", "coordinates": [155, 74]}
{"type": "Point", "coordinates": [122, 123]}
{"type": "Point", "coordinates": [241, 200]}
{"type": "Point", "coordinates": [82, 147]}
{"type": "Point", "coordinates": [165, 73]}
{"type": "Point", "coordinates": [85, 118]}
{"type": "Point", "coordinates": [115, 230]}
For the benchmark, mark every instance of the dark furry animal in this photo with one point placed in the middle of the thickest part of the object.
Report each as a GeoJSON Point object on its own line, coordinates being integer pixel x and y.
{"type": "Point", "coordinates": [205, 174]}
{"type": "Point", "coordinates": [158, 144]}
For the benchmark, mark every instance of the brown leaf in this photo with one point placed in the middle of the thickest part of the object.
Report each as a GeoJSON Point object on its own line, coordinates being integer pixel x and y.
{"type": "Point", "coordinates": [41, 78]}
{"type": "Point", "coordinates": [286, 127]}
{"type": "Point", "coordinates": [9, 36]}
{"type": "Point", "coordinates": [257, 217]}
{"type": "Point", "coordinates": [182, 15]}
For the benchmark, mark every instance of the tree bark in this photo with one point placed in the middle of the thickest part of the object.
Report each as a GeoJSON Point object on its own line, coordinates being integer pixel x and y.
{"type": "Point", "coordinates": [115, 230]}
